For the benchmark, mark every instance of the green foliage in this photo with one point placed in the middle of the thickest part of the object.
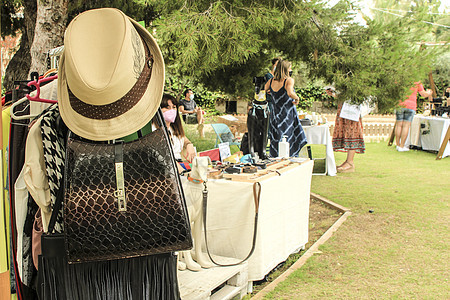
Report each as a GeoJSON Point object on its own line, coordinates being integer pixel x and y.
{"type": "Point", "coordinates": [398, 59]}
{"type": "Point", "coordinates": [311, 94]}
{"type": "Point", "coordinates": [139, 10]}
{"type": "Point", "coordinates": [217, 43]}
{"type": "Point", "coordinates": [207, 99]}
{"type": "Point", "coordinates": [200, 36]}
{"type": "Point", "coordinates": [223, 45]}
{"type": "Point", "coordinates": [11, 21]}
{"type": "Point", "coordinates": [441, 73]}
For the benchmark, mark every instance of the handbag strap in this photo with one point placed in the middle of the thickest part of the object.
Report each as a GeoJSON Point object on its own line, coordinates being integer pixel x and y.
{"type": "Point", "coordinates": [256, 198]}
{"type": "Point", "coordinates": [56, 207]}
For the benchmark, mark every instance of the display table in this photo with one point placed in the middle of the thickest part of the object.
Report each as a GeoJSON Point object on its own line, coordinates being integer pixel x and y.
{"type": "Point", "coordinates": [429, 133]}
{"type": "Point", "coordinates": [282, 224]}
{"type": "Point", "coordinates": [320, 135]}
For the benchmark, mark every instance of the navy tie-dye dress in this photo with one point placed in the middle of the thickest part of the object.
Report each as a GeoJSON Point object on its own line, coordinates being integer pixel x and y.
{"type": "Point", "coordinates": [284, 121]}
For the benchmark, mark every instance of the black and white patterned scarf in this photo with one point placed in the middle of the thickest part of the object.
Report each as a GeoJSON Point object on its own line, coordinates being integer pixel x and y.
{"type": "Point", "coordinates": [52, 130]}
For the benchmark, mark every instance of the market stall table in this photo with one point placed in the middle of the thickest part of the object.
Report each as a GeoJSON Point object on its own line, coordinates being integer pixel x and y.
{"type": "Point", "coordinates": [320, 135]}
{"type": "Point", "coordinates": [429, 133]}
{"type": "Point", "coordinates": [282, 224]}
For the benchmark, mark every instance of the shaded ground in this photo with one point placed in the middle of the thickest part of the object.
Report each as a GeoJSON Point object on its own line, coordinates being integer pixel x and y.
{"type": "Point", "coordinates": [321, 217]}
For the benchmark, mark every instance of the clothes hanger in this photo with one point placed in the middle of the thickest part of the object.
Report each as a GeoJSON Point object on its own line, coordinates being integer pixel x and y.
{"type": "Point", "coordinates": [31, 84]}
{"type": "Point", "coordinates": [13, 114]}
{"type": "Point", "coordinates": [53, 71]}
{"type": "Point", "coordinates": [37, 85]}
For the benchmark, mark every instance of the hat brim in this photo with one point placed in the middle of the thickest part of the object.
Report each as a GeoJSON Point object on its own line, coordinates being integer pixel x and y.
{"type": "Point", "coordinates": [127, 123]}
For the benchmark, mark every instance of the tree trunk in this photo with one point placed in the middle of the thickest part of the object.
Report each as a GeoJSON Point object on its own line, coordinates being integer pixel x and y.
{"type": "Point", "coordinates": [51, 22]}
{"type": "Point", "coordinates": [19, 66]}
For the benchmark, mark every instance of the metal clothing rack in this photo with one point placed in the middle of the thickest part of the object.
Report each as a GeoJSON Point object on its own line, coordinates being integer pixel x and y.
{"type": "Point", "coordinates": [53, 57]}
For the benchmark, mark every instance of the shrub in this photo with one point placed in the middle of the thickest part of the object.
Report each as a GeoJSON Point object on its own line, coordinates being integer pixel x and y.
{"type": "Point", "coordinates": [310, 94]}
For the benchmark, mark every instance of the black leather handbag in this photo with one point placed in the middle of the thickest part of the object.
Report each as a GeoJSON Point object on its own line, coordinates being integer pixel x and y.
{"type": "Point", "coordinates": [123, 199]}
{"type": "Point", "coordinates": [108, 235]}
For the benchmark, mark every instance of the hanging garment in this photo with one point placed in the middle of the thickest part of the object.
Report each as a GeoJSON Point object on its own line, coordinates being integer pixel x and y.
{"type": "Point", "coordinates": [35, 180]}
{"type": "Point", "coordinates": [21, 201]}
{"type": "Point", "coordinates": [25, 275]}
{"type": "Point", "coordinates": [4, 207]}
{"type": "Point", "coordinates": [29, 272]}
{"type": "Point", "coordinates": [35, 176]}
{"type": "Point", "coordinates": [258, 124]}
{"type": "Point", "coordinates": [45, 154]}
{"type": "Point", "coordinates": [25, 209]}
{"type": "Point", "coordinates": [16, 157]}
{"type": "Point", "coordinates": [5, 286]}
{"type": "Point", "coordinates": [284, 121]}
{"type": "Point", "coordinates": [53, 132]}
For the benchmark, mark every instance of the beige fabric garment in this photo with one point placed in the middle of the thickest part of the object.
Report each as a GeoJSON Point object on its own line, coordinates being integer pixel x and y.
{"type": "Point", "coordinates": [20, 206]}
{"type": "Point", "coordinates": [35, 175]}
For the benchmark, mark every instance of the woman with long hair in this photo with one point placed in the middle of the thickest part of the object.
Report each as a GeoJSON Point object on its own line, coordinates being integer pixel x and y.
{"type": "Point", "coordinates": [284, 119]}
{"type": "Point", "coordinates": [169, 107]}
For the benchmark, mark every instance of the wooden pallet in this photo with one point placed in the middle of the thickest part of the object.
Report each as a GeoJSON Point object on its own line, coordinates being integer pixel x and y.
{"type": "Point", "coordinates": [273, 170]}
{"type": "Point", "coordinates": [217, 283]}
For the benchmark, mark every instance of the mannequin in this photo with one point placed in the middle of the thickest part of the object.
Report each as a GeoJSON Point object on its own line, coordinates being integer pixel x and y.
{"type": "Point", "coordinates": [258, 125]}
{"type": "Point", "coordinates": [193, 190]}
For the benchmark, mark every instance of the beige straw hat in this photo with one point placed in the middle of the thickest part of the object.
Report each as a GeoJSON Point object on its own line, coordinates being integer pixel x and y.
{"type": "Point", "coordinates": [111, 75]}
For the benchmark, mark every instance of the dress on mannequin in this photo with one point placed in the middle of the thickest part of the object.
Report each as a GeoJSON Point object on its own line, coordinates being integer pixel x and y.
{"type": "Point", "coordinates": [258, 124]}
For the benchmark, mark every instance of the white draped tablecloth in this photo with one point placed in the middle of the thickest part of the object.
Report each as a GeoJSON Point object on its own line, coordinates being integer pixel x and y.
{"type": "Point", "coordinates": [428, 133]}
{"type": "Point", "coordinates": [320, 135]}
{"type": "Point", "coordinates": [282, 223]}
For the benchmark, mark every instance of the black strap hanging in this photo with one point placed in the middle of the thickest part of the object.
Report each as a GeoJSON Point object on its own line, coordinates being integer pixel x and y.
{"type": "Point", "coordinates": [256, 198]}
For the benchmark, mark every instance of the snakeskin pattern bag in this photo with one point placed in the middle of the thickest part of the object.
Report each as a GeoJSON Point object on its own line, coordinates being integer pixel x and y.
{"type": "Point", "coordinates": [123, 199]}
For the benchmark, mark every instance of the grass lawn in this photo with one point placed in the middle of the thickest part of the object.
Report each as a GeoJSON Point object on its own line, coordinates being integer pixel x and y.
{"type": "Point", "coordinates": [207, 142]}
{"type": "Point", "coordinates": [400, 251]}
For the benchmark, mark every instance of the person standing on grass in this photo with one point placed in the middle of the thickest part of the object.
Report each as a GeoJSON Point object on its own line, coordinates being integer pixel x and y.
{"type": "Point", "coordinates": [405, 114]}
{"type": "Point", "coordinates": [347, 137]}
{"type": "Point", "coordinates": [284, 119]}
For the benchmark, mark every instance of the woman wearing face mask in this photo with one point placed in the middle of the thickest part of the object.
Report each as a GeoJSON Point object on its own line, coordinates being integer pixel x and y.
{"type": "Point", "coordinates": [284, 119]}
{"type": "Point", "coordinates": [173, 121]}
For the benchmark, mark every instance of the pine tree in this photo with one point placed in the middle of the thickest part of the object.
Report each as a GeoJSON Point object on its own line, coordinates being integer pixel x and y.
{"type": "Point", "coordinates": [222, 45]}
